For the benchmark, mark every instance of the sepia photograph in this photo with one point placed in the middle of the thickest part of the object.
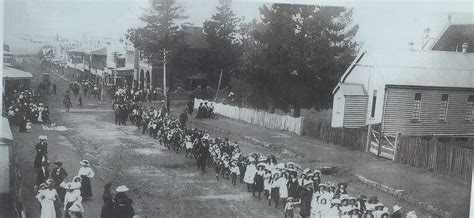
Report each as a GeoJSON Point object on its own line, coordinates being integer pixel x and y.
{"type": "Point", "coordinates": [236, 108]}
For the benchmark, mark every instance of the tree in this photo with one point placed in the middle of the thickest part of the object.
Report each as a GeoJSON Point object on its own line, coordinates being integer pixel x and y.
{"type": "Point", "coordinates": [222, 53]}
{"type": "Point", "coordinates": [304, 49]}
{"type": "Point", "coordinates": [160, 32]}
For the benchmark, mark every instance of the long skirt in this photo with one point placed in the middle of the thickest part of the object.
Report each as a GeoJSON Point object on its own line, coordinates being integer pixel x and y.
{"type": "Point", "coordinates": [258, 183]}
{"type": "Point", "coordinates": [86, 189]}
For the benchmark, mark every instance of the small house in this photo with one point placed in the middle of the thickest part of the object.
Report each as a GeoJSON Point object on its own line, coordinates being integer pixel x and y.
{"type": "Point", "coordinates": [412, 92]}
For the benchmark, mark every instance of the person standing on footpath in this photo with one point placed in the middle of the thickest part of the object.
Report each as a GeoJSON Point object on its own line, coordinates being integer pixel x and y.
{"type": "Point", "coordinates": [108, 207]}
{"type": "Point", "coordinates": [58, 174]}
{"type": "Point", "coordinates": [123, 204]}
{"type": "Point", "coordinates": [54, 89]}
{"type": "Point", "coordinates": [86, 172]}
{"type": "Point", "coordinates": [41, 152]}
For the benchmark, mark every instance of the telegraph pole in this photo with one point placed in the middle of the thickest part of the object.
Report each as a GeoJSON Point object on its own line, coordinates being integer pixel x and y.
{"type": "Point", "coordinates": [164, 79]}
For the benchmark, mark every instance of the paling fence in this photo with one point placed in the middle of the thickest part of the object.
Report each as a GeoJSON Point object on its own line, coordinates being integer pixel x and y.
{"type": "Point", "coordinates": [353, 138]}
{"type": "Point", "coordinates": [447, 158]}
{"type": "Point", "coordinates": [454, 158]}
{"type": "Point", "coordinates": [260, 118]}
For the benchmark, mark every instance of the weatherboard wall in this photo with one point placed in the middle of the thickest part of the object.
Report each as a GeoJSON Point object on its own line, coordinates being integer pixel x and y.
{"type": "Point", "coordinates": [399, 106]}
{"type": "Point", "coordinates": [355, 109]}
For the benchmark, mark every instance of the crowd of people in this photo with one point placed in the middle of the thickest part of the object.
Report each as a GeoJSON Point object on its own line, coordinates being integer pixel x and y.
{"type": "Point", "coordinates": [25, 108]}
{"type": "Point", "coordinates": [57, 196]}
{"type": "Point", "coordinates": [285, 185]}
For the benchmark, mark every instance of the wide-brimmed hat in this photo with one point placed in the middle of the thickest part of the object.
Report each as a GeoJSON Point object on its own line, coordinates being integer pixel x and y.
{"type": "Point", "coordinates": [396, 208]}
{"type": "Point", "coordinates": [84, 162]}
{"type": "Point", "coordinates": [336, 201]}
{"type": "Point", "coordinates": [122, 188]}
{"type": "Point", "coordinates": [306, 171]}
{"type": "Point", "coordinates": [290, 163]}
{"type": "Point", "coordinates": [76, 178]}
{"type": "Point", "coordinates": [42, 137]}
{"type": "Point", "coordinates": [58, 163]}
{"type": "Point", "coordinates": [379, 205]}
{"type": "Point", "coordinates": [290, 198]}
{"type": "Point", "coordinates": [43, 185]}
{"type": "Point", "coordinates": [317, 171]}
{"type": "Point", "coordinates": [261, 165]}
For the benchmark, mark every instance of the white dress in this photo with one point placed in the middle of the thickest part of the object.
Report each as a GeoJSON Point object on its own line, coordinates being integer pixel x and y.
{"type": "Point", "coordinates": [250, 174]}
{"type": "Point", "coordinates": [46, 198]}
{"type": "Point", "coordinates": [283, 182]}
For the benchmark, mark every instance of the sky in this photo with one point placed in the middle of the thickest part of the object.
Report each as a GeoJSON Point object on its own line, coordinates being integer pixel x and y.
{"type": "Point", "coordinates": [382, 23]}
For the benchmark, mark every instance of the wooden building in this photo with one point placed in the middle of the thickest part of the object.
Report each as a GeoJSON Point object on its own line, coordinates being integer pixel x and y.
{"type": "Point", "coordinates": [410, 92]}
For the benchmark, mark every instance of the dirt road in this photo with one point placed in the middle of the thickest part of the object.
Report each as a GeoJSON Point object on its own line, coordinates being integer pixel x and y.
{"type": "Point", "coordinates": [164, 184]}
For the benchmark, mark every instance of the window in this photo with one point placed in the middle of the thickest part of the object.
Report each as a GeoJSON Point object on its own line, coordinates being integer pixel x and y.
{"type": "Point", "coordinates": [443, 110]}
{"type": "Point", "coordinates": [374, 103]}
{"type": "Point", "coordinates": [470, 107]}
{"type": "Point", "coordinates": [416, 107]}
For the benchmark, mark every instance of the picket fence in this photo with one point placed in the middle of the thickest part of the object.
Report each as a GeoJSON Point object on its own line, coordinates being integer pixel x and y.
{"type": "Point", "coordinates": [260, 118]}
{"type": "Point", "coordinates": [446, 158]}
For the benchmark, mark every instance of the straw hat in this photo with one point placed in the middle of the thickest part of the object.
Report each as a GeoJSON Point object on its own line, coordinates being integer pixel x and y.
{"type": "Point", "coordinates": [306, 171]}
{"type": "Point", "coordinates": [122, 188]}
{"type": "Point", "coordinates": [85, 162]}
{"type": "Point", "coordinates": [42, 137]}
{"type": "Point", "coordinates": [379, 205]}
{"type": "Point", "coordinates": [396, 208]}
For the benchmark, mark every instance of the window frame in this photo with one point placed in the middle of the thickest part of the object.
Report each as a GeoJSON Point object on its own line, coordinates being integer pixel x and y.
{"type": "Point", "coordinates": [374, 103]}
{"type": "Point", "coordinates": [443, 109]}
{"type": "Point", "coordinates": [416, 113]}
{"type": "Point", "coordinates": [470, 108]}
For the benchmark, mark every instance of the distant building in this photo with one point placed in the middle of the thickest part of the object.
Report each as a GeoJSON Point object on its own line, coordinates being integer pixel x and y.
{"type": "Point", "coordinates": [428, 92]}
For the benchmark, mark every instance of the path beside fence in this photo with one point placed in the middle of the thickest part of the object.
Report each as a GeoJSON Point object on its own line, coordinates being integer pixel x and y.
{"type": "Point", "coordinates": [260, 118]}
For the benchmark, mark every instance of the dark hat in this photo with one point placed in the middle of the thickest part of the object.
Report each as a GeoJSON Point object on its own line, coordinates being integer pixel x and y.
{"type": "Point", "coordinates": [58, 163]}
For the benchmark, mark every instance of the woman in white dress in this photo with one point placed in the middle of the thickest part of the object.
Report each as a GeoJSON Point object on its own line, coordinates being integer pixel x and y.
{"type": "Point", "coordinates": [283, 181]}
{"type": "Point", "coordinates": [86, 172]}
{"type": "Point", "coordinates": [250, 175]}
{"type": "Point", "coordinates": [46, 198]}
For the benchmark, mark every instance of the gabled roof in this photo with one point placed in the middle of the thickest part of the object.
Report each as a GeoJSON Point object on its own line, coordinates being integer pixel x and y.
{"type": "Point", "coordinates": [417, 68]}
{"type": "Point", "coordinates": [353, 89]}
{"type": "Point", "coordinates": [453, 36]}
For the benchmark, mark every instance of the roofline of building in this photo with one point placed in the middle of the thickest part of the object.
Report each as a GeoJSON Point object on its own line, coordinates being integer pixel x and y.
{"type": "Point", "coordinates": [348, 70]}
{"type": "Point", "coordinates": [387, 86]}
{"type": "Point", "coordinates": [445, 28]}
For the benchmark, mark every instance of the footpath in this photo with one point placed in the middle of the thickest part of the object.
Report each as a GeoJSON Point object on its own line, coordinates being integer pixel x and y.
{"type": "Point", "coordinates": [430, 192]}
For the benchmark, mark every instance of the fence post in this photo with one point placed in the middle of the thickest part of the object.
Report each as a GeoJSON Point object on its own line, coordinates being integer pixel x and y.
{"type": "Point", "coordinates": [380, 143]}
{"type": "Point", "coordinates": [342, 141]}
{"type": "Point", "coordinates": [368, 138]}
{"type": "Point", "coordinates": [395, 149]}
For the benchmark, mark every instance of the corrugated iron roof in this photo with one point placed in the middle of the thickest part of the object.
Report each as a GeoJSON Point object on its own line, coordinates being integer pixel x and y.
{"type": "Point", "coordinates": [422, 68]}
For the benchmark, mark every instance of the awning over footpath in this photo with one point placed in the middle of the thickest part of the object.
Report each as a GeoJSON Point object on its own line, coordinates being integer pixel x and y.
{"type": "Point", "coordinates": [12, 73]}
{"type": "Point", "coordinates": [7, 135]}
{"type": "Point", "coordinates": [126, 68]}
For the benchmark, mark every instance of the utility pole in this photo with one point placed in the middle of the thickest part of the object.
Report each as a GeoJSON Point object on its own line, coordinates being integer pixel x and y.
{"type": "Point", "coordinates": [218, 85]}
{"type": "Point", "coordinates": [165, 96]}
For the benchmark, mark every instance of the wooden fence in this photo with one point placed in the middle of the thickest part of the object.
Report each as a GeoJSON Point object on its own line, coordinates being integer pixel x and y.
{"type": "Point", "coordinates": [353, 138]}
{"type": "Point", "coordinates": [447, 158]}
{"type": "Point", "coordinates": [260, 118]}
